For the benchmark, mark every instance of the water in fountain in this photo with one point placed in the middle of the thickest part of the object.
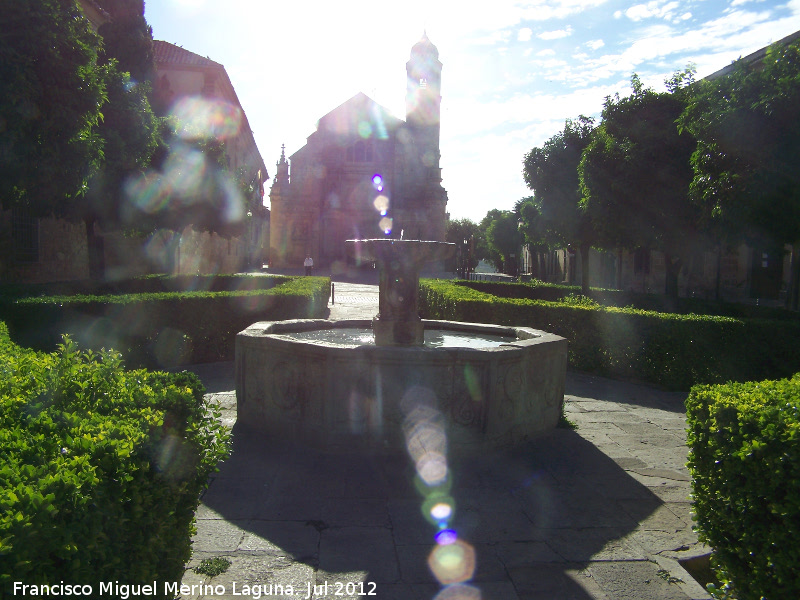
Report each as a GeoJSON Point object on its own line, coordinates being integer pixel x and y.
{"type": "Point", "coordinates": [434, 338]}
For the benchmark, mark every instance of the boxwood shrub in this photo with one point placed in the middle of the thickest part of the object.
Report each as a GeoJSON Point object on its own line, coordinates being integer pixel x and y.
{"type": "Point", "coordinates": [144, 285]}
{"type": "Point", "coordinates": [745, 464]}
{"type": "Point", "coordinates": [164, 328]}
{"type": "Point", "coordinates": [552, 292]}
{"type": "Point", "coordinates": [672, 350]}
{"type": "Point", "coordinates": [101, 468]}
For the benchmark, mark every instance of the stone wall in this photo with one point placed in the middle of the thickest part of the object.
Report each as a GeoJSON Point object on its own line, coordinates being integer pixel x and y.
{"type": "Point", "coordinates": [204, 252]}
{"type": "Point", "coordinates": [62, 256]}
{"type": "Point", "coordinates": [622, 270]}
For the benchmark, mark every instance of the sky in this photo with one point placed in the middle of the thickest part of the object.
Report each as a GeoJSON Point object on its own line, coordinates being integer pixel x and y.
{"type": "Point", "coordinates": [513, 71]}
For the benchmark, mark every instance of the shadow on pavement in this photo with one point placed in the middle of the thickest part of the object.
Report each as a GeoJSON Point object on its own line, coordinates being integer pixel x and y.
{"type": "Point", "coordinates": [585, 385]}
{"type": "Point", "coordinates": [535, 517]}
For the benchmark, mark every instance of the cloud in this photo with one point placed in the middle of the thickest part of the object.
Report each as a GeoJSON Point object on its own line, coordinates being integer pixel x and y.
{"type": "Point", "coordinates": [505, 89]}
{"type": "Point", "coordinates": [557, 34]}
{"type": "Point", "coordinates": [470, 117]}
{"type": "Point", "coordinates": [491, 38]}
{"type": "Point", "coordinates": [547, 10]}
{"type": "Point", "coordinates": [655, 9]}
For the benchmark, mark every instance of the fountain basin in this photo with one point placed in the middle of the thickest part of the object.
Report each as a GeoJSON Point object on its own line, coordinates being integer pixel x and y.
{"type": "Point", "coordinates": [333, 393]}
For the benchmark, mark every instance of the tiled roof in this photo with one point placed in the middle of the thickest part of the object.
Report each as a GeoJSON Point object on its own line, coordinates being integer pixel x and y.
{"type": "Point", "coordinates": [756, 56]}
{"type": "Point", "coordinates": [166, 53]}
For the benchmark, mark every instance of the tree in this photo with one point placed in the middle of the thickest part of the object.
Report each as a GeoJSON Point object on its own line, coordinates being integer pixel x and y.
{"type": "Point", "coordinates": [747, 164]}
{"type": "Point", "coordinates": [484, 249]}
{"type": "Point", "coordinates": [467, 235]}
{"type": "Point", "coordinates": [503, 239]}
{"type": "Point", "coordinates": [128, 39]}
{"type": "Point", "coordinates": [535, 233]}
{"type": "Point", "coordinates": [77, 125]}
{"type": "Point", "coordinates": [552, 173]}
{"type": "Point", "coordinates": [51, 94]}
{"type": "Point", "coordinates": [635, 175]}
{"type": "Point", "coordinates": [129, 129]}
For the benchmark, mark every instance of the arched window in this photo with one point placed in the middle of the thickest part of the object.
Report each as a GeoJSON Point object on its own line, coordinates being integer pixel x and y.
{"type": "Point", "coordinates": [360, 152]}
{"type": "Point", "coordinates": [641, 261]}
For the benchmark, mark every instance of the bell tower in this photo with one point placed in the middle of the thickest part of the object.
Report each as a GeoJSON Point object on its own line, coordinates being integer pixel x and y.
{"type": "Point", "coordinates": [423, 99]}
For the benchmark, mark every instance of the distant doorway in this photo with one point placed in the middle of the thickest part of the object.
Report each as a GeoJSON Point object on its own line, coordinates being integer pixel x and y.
{"type": "Point", "coordinates": [765, 274]}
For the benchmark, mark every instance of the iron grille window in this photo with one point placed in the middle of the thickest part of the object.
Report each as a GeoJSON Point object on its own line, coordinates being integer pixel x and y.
{"type": "Point", "coordinates": [24, 236]}
{"type": "Point", "coordinates": [360, 152]}
{"type": "Point", "coordinates": [641, 261]}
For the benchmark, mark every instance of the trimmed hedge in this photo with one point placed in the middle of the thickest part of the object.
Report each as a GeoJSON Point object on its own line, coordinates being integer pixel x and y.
{"type": "Point", "coordinates": [552, 292]}
{"type": "Point", "coordinates": [162, 329]}
{"type": "Point", "coordinates": [745, 464]}
{"type": "Point", "coordinates": [102, 468]}
{"type": "Point", "coordinates": [672, 350]}
{"type": "Point", "coordinates": [144, 285]}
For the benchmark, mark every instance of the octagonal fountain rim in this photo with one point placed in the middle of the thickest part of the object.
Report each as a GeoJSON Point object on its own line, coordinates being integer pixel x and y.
{"type": "Point", "coordinates": [283, 330]}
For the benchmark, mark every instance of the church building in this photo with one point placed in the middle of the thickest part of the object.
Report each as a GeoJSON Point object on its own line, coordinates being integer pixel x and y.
{"type": "Point", "coordinates": [363, 174]}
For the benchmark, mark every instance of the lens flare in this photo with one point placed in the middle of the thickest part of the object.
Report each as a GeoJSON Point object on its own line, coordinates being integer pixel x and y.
{"type": "Point", "coordinates": [381, 204]}
{"type": "Point", "coordinates": [147, 193]}
{"type": "Point", "coordinates": [254, 302]}
{"type": "Point", "coordinates": [172, 457]}
{"type": "Point", "coordinates": [364, 129]}
{"type": "Point", "coordinates": [381, 132]}
{"type": "Point", "coordinates": [191, 186]}
{"type": "Point", "coordinates": [472, 383]}
{"type": "Point", "coordinates": [207, 118]}
{"type": "Point", "coordinates": [459, 591]}
{"type": "Point", "coordinates": [438, 509]}
{"type": "Point", "coordinates": [386, 225]}
{"type": "Point", "coordinates": [441, 511]}
{"type": "Point", "coordinates": [172, 347]}
{"type": "Point", "coordinates": [432, 468]}
{"type": "Point", "coordinates": [424, 435]}
{"type": "Point", "coordinates": [452, 563]}
{"type": "Point", "coordinates": [438, 491]}
{"type": "Point", "coordinates": [446, 537]}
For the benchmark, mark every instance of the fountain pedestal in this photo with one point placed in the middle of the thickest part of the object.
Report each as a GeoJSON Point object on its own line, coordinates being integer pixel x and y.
{"type": "Point", "coordinates": [399, 262]}
{"type": "Point", "coordinates": [346, 393]}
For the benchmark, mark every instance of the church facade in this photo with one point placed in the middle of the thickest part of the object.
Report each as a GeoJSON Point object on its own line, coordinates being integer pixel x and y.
{"type": "Point", "coordinates": [363, 174]}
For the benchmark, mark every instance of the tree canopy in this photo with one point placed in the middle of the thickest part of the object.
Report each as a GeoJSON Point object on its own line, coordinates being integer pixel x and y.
{"type": "Point", "coordinates": [503, 239]}
{"type": "Point", "coordinates": [460, 231]}
{"type": "Point", "coordinates": [128, 39]}
{"type": "Point", "coordinates": [747, 164]}
{"type": "Point", "coordinates": [130, 131]}
{"type": "Point", "coordinates": [51, 94]}
{"type": "Point", "coordinates": [635, 177]}
{"type": "Point", "coordinates": [552, 173]}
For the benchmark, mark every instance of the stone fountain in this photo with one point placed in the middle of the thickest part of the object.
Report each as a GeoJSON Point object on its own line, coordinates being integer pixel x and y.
{"type": "Point", "coordinates": [351, 382]}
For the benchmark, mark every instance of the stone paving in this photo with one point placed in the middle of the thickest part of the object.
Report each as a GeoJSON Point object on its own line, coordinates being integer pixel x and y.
{"type": "Point", "coordinates": [599, 512]}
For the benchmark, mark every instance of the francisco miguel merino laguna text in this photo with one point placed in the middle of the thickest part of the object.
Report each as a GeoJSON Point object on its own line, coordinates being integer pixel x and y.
{"type": "Point", "coordinates": [123, 591]}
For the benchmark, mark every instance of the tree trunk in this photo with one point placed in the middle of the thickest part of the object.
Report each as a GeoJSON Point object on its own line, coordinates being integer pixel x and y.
{"type": "Point", "coordinates": [95, 251]}
{"type": "Point", "coordinates": [673, 269]}
{"type": "Point", "coordinates": [172, 258]}
{"type": "Point", "coordinates": [585, 248]}
{"type": "Point", "coordinates": [793, 293]}
{"type": "Point", "coordinates": [718, 281]}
